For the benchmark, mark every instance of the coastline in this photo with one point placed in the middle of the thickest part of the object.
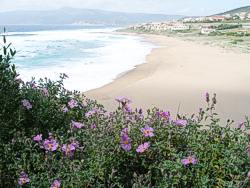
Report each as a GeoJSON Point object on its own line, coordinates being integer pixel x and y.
{"type": "Point", "coordinates": [88, 60]}
{"type": "Point", "coordinates": [177, 73]}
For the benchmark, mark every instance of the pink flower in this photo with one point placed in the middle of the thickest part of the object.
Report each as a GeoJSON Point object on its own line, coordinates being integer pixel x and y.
{"type": "Point", "coordinates": [164, 115]}
{"type": "Point", "coordinates": [143, 147]}
{"type": "Point", "coordinates": [72, 103]}
{"type": "Point", "coordinates": [93, 126]}
{"type": "Point", "coordinates": [124, 131]}
{"type": "Point", "coordinates": [23, 179]}
{"type": "Point", "coordinates": [33, 85]}
{"type": "Point", "coordinates": [189, 160]}
{"type": "Point", "coordinates": [241, 125]}
{"type": "Point", "coordinates": [181, 122]}
{"type": "Point", "coordinates": [127, 109]}
{"type": "Point", "coordinates": [92, 112]}
{"type": "Point", "coordinates": [26, 104]}
{"type": "Point", "coordinates": [147, 131]}
{"type": "Point", "coordinates": [45, 92]}
{"type": "Point", "coordinates": [125, 142]}
{"type": "Point", "coordinates": [56, 184]}
{"type": "Point", "coordinates": [207, 97]}
{"type": "Point", "coordinates": [38, 138]}
{"type": "Point", "coordinates": [123, 100]}
{"type": "Point", "coordinates": [50, 145]}
{"type": "Point", "coordinates": [65, 109]}
{"type": "Point", "coordinates": [69, 149]}
{"type": "Point", "coordinates": [76, 125]}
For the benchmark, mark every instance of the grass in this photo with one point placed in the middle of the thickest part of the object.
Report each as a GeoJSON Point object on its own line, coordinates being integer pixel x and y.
{"type": "Point", "coordinates": [231, 39]}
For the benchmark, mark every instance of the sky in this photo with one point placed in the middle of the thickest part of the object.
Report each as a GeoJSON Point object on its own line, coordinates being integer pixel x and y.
{"type": "Point", "coordinates": [177, 7]}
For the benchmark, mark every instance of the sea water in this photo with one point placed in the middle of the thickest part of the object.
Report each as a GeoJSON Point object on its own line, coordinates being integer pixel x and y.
{"type": "Point", "coordinates": [90, 56]}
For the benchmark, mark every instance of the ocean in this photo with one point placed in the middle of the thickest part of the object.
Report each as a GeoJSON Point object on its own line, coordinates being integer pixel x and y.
{"type": "Point", "coordinates": [91, 56]}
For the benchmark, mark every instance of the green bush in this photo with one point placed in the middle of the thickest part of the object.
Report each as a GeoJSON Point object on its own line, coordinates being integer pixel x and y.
{"type": "Point", "coordinates": [9, 93]}
{"type": "Point", "coordinates": [51, 136]}
{"type": "Point", "coordinates": [236, 41]}
{"type": "Point", "coordinates": [228, 26]}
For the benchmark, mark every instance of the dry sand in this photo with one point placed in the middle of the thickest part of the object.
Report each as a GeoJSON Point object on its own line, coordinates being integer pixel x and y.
{"type": "Point", "coordinates": [178, 73]}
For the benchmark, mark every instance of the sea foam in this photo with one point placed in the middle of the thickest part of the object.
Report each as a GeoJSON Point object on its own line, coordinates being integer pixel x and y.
{"type": "Point", "coordinates": [90, 57]}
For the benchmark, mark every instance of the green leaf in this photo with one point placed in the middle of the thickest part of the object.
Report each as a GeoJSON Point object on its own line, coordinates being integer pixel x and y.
{"type": "Point", "coordinates": [4, 50]}
{"type": "Point", "coordinates": [12, 52]}
{"type": "Point", "coordinates": [4, 39]}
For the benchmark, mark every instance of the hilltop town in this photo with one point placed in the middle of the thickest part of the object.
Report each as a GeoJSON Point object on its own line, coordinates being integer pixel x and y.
{"type": "Point", "coordinates": [242, 16]}
{"type": "Point", "coordinates": [208, 24]}
{"type": "Point", "coordinates": [231, 29]}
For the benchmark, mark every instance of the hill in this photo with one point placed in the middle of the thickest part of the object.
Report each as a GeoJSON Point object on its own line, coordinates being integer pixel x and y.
{"type": "Point", "coordinates": [73, 15]}
{"type": "Point", "coordinates": [237, 10]}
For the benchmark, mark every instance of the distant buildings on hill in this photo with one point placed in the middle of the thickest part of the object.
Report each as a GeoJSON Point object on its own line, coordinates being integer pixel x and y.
{"type": "Point", "coordinates": [178, 26]}
{"type": "Point", "coordinates": [162, 26]}
{"type": "Point", "coordinates": [205, 24]}
{"type": "Point", "coordinates": [218, 18]}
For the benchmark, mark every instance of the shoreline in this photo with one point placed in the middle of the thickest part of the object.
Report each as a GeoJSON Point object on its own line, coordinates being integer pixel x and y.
{"type": "Point", "coordinates": [177, 73]}
{"type": "Point", "coordinates": [95, 56]}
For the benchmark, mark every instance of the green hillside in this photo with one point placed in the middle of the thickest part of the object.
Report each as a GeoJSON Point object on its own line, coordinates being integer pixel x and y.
{"type": "Point", "coordinates": [238, 10]}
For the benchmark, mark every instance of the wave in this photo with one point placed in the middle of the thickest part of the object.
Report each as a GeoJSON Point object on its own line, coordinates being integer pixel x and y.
{"type": "Point", "coordinates": [90, 57]}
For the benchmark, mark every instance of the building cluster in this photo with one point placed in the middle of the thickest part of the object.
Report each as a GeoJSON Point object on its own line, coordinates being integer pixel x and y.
{"type": "Point", "coordinates": [185, 24]}
{"type": "Point", "coordinates": [162, 26]}
{"type": "Point", "coordinates": [218, 18]}
{"type": "Point", "coordinates": [172, 27]}
{"type": "Point", "coordinates": [203, 19]}
{"type": "Point", "coordinates": [241, 15]}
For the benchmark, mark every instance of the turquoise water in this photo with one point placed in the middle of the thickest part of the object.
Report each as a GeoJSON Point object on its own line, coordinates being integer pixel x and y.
{"type": "Point", "coordinates": [91, 57]}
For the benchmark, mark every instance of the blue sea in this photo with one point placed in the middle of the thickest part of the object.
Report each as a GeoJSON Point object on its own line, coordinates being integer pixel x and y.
{"type": "Point", "coordinates": [91, 56]}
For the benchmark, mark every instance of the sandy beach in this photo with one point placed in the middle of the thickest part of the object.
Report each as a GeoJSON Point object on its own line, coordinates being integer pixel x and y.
{"type": "Point", "coordinates": [178, 73]}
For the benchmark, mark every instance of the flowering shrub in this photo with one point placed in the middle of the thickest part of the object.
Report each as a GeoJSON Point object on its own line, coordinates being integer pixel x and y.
{"type": "Point", "coordinates": [52, 137]}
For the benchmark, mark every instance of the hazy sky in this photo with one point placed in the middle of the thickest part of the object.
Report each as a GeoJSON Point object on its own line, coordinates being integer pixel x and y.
{"type": "Point", "coordinates": [183, 7]}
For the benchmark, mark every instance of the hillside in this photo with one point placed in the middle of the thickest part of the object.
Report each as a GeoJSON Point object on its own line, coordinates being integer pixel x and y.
{"type": "Point", "coordinates": [238, 10]}
{"type": "Point", "coordinates": [72, 15]}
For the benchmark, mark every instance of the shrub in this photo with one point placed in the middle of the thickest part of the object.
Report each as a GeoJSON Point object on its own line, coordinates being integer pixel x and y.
{"type": "Point", "coordinates": [228, 26]}
{"type": "Point", "coordinates": [236, 41]}
{"type": "Point", "coordinates": [61, 138]}
{"type": "Point", "coordinates": [9, 92]}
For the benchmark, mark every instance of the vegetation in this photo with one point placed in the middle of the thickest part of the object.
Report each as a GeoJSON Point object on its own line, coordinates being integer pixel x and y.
{"type": "Point", "coordinates": [231, 33]}
{"type": "Point", "coordinates": [52, 137]}
{"type": "Point", "coordinates": [228, 26]}
{"type": "Point", "coordinates": [237, 10]}
{"type": "Point", "coordinates": [236, 41]}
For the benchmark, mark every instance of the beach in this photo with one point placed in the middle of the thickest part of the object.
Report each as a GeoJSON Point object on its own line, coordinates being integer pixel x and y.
{"type": "Point", "coordinates": [178, 73]}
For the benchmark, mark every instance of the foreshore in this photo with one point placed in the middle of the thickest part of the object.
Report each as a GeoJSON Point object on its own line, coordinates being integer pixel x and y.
{"type": "Point", "coordinates": [178, 73]}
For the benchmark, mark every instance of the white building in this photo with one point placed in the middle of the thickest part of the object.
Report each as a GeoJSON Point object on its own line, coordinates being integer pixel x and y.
{"type": "Point", "coordinates": [248, 16]}
{"type": "Point", "coordinates": [227, 16]}
{"type": "Point", "coordinates": [180, 27]}
{"type": "Point", "coordinates": [161, 26]}
{"type": "Point", "coordinates": [207, 30]}
{"type": "Point", "coordinates": [216, 18]}
{"type": "Point", "coordinates": [243, 15]}
{"type": "Point", "coordinates": [195, 19]}
{"type": "Point", "coordinates": [190, 19]}
{"type": "Point", "coordinates": [201, 19]}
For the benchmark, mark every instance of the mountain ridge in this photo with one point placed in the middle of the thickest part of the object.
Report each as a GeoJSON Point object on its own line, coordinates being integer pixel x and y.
{"type": "Point", "coordinates": [237, 10]}
{"type": "Point", "coordinates": [67, 15]}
